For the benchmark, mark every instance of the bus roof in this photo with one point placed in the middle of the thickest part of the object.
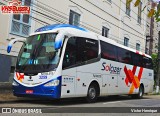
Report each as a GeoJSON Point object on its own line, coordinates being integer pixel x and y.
{"type": "Point", "coordinates": [58, 26]}
{"type": "Point", "coordinates": [79, 31]}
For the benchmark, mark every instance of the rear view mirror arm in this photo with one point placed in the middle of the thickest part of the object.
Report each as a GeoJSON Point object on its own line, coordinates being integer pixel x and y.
{"type": "Point", "coordinates": [13, 41]}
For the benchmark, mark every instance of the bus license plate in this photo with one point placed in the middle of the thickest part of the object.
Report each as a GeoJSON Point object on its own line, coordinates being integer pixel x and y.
{"type": "Point", "coordinates": [29, 91]}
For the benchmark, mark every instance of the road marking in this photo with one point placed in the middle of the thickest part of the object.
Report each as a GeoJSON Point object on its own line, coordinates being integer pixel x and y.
{"type": "Point", "coordinates": [113, 102]}
{"type": "Point", "coordinates": [145, 99]}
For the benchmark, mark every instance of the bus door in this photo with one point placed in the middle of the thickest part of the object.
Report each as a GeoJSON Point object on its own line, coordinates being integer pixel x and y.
{"type": "Point", "coordinates": [69, 69]}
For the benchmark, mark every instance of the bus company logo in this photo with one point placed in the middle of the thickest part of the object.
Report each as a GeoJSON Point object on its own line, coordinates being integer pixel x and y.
{"type": "Point", "coordinates": [15, 7]}
{"type": "Point", "coordinates": [132, 78]}
{"type": "Point", "coordinates": [20, 76]}
{"type": "Point", "coordinates": [111, 69]}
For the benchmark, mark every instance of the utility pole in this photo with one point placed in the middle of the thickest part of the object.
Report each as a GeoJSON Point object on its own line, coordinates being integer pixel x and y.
{"type": "Point", "coordinates": [151, 32]}
{"type": "Point", "coordinates": [158, 73]}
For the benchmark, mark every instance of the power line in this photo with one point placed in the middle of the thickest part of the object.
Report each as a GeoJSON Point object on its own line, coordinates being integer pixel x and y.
{"type": "Point", "coordinates": [105, 19]}
{"type": "Point", "coordinates": [66, 18]}
{"type": "Point", "coordinates": [112, 35]}
{"type": "Point", "coordinates": [92, 29]}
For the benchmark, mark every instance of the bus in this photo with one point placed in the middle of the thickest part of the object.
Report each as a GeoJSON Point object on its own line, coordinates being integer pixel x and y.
{"type": "Point", "coordinates": [66, 61]}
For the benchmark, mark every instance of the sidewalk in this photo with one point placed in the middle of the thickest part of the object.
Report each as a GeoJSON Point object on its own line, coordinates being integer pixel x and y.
{"type": "Point", "coordinates": [5, 87]}
{"type": "Point", "coordinates": [6, 91]}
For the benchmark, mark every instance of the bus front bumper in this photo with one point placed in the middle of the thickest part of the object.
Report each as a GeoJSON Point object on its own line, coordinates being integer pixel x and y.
{"type": "Point", "coordinates": [40, 91]}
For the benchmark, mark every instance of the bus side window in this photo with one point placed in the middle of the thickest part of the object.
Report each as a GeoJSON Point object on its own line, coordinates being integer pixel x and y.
{"type": "Point", "coordinates": [108, 51]}
{"type": "Point", "coordinates": [70, 53]}
{"type": "Point", "coordinates": [137, 59]}
{"type": "Point", "coordinates": [79, 50]}
{"type": "Point", "coordinates": [124, 56]}
{"type": "Point", "coordinates": [147, 63]}
{"type": "Point", "coordinates": [87, 49]}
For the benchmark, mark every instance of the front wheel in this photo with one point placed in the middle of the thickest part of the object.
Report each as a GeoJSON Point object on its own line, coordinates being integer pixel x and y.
{"type": "Point", "coordinates": [92, 94]}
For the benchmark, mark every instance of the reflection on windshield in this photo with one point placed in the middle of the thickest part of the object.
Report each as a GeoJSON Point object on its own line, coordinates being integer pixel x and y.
{"type": "Point", "coordinates": [38, 54]}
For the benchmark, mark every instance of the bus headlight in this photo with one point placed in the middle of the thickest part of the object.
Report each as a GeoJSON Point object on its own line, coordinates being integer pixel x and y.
{"type": "Point", "coordinates": [52, 83]}
{"type": "Point", "coordinates": [14, 83]}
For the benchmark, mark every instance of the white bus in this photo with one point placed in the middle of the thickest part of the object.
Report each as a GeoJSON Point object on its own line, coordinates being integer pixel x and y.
{"type": "Point", "coordinates": [62, 61]}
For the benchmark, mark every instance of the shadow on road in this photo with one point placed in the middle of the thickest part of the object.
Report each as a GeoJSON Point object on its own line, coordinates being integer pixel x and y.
{"type": "Point", "coordinates": [65, 102]}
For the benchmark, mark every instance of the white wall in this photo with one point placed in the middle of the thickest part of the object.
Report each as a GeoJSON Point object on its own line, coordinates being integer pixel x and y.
{"type": "Point", "coordinates": [94, 15]}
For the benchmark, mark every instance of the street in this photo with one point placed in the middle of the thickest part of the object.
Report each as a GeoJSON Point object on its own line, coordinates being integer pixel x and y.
{"type": "Point", "coordinates": [79, 105]}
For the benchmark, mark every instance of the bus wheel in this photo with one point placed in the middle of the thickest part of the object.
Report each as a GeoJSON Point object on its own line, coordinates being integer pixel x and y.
{"type": "Point", "coordinates": [92, 93]}
{"type": "Point", "coordinates": [140, 93]}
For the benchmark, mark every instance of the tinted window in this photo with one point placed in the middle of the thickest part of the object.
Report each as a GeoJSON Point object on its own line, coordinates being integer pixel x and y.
{"type": "Point", "coordinates": [87, 49]}
{"type": "Point", "coordinates": [137, 59]}
{"type": "Point", "coordinates": [124, 56]}
{"type": "Point", "coordinates": [108, 51]}
{"type": "Point", "coordinates": [147, 62]}
{"type": "Point", "coordinates": [70, 53]}
{"type": "Point", "coordinates": [79, 50]}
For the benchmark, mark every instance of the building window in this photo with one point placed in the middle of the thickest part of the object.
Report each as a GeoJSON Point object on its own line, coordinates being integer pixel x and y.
{"type": "Point", "coordinates": [105, 31]}
{"type": "Point", "coordinates": [138, 46]}
{"type": "Point", "coordinates": [139, 12]}
{"type": "Point", "coordinates": [21, 23]}
{"type": "Point", "coordinates": [74, 18]}
{"type": "Point", "coordinates": [128, 7]}
{"type": "Point", "coordinates": [126, 41]}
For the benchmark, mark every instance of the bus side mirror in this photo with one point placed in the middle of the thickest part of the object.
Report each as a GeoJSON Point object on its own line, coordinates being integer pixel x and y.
{"type": "Point", "coordinates": [13, 41]}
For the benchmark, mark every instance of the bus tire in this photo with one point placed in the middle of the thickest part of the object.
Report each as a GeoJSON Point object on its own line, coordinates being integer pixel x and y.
{"type": "Point", "coordinates": [92, 93]}
{"type": "Point", "coordinates": [140, 93]}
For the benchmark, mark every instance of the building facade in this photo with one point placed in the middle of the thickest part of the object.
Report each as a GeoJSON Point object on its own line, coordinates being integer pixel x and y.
{"type": "Point", "coordinates": [114, 19]}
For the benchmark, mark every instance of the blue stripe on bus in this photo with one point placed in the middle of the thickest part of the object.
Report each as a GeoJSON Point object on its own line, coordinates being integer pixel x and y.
{"type": "Point", "coordinates": [56, 26]}
{"type": "Point", "coordinates": [9, 48]}
{"type": "Point", "coordinates": [39, 91]}
{"type": "Point", "coordinates": [58, 44]}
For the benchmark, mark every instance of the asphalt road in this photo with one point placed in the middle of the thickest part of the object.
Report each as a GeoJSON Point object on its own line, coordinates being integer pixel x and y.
{"type": "Point", "coordinates": [109, 105]}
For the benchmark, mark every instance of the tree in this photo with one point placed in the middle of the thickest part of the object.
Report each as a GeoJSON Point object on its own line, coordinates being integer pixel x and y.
{"type": "Point", "coordinates": [154, 11]}
{"type": "Point", "coordinates": [155, 64]}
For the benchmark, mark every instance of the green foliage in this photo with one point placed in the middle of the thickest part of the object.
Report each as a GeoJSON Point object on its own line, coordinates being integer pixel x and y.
{"type": "Point", "coordinates": [137, 3]}
{"type": "Point", "coordinates": [155, 10]}
{"type": "Point", "coordinates": [155, 62]}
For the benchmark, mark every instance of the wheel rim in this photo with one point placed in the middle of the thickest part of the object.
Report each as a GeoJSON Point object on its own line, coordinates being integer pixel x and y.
{"type": "Point", "coordinates": [140, 92]}
{"type": "Point", "coordinates": [92, 93]}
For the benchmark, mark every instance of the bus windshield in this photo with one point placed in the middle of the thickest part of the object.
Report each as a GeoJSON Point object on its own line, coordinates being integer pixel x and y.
{"type": "Point", "coordinates": [38, 54]}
